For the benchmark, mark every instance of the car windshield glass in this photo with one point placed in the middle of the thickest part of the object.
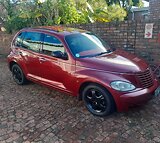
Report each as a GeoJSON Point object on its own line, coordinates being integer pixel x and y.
{"type": "Point", "coordinates": [86, 45]}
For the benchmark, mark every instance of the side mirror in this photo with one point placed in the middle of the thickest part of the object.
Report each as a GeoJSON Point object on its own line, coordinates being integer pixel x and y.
{"type": "Point", "coordinates": [59, 54]}
{"type": "Point", "coordinates": [112, 47]}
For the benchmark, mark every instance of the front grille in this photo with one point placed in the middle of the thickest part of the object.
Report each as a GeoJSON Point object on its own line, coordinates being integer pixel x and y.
{"type": "Point", "coordinates": [145, 78]}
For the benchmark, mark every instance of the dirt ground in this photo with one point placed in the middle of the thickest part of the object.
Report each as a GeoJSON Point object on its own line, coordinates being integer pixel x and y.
{"type": "Point", "coordinates": [33, 113]}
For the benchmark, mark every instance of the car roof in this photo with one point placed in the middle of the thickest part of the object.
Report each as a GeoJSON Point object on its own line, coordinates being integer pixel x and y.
{"type": "Point", "coordinates": [59, 30]}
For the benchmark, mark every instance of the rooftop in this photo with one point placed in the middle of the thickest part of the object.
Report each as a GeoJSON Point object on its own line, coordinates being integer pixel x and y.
{"type": "Point", "coordinates": [60, 29]}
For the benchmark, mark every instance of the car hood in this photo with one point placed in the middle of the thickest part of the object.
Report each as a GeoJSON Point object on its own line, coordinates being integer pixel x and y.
{"type": "Point", "coordinates": [117, 61]}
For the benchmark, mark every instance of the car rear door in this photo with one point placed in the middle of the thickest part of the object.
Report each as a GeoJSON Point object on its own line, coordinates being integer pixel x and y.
{"type": "Point", "coordinates": [31, 45]}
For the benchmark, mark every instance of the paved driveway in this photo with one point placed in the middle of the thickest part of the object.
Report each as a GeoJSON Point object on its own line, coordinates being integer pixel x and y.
{"type": "Point", "coordinates": [33, 113]}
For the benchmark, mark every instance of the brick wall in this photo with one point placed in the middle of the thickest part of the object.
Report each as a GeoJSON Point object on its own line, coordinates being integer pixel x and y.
{"type": "Point", "coordinates": [129, 32]}
{"type": "Point", "coordinates": [116, 34]}
{"type": "Point", "coordinates": [154, 9]}
{"type": "Point", "coordinates": [5, 41]}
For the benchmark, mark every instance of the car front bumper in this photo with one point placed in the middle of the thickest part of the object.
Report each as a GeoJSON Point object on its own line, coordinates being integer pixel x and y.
{"type": "Point", "coordinates": [138, 97]}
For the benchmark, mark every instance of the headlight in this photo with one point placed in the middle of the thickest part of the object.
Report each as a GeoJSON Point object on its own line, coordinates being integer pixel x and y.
{"type": "Point", "coordinates": [122, 86]}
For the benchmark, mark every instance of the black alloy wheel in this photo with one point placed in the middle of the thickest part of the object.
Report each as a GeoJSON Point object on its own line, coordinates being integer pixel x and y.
{"type": "Point", "coordinates": [98, 100]}
{"type": "Point", "coordinates": [18, 75]}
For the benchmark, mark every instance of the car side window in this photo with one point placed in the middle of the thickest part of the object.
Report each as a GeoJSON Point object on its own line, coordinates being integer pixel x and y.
{"type": "Point", "coordinates": [52, 44]}
{"type": "Point", "coordinates": [19, 39]}
{"type": "Point", "coordinates": [32, 41]}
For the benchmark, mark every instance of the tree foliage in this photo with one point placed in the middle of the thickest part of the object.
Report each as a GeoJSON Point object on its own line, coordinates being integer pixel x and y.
{"type": "Point", "coordinates": [17, 14]}
{"type": "Point", "coordinates": [127, 4]}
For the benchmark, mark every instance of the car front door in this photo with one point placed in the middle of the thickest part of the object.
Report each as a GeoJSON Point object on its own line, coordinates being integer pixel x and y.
{"type": "Point", "coordinates": [56, 72]}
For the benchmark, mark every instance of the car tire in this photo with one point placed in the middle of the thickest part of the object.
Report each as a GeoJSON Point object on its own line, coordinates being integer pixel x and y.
{"type": "Point", "coordinates": [98, 100]}
{"type": "Point", "coordinates": [18, 75]}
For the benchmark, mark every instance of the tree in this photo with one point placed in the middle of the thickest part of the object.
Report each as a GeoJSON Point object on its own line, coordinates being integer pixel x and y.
{"type": "Point", "coordinates": [30, 13]}
{"type": "Point", "coordinates": [99, 11]}
{"type": "Point", "coordinates": [68, 13]}
{"type": "Point", "coordinates": [127, 4]}
{"type": "Point", "coordinates": [9, 14]}
{"type": "Point", "coordinates": [111, 13]}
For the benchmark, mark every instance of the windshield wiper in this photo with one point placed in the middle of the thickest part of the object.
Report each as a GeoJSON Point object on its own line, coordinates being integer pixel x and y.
{"type": "Point", "coordinates": [94, 55]}
{"type": "Point", "coordinates": [102, 53]}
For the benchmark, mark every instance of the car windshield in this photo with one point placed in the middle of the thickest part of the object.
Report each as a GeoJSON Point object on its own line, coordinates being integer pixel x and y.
{"type": "Point", "coordinates": [86, 45]}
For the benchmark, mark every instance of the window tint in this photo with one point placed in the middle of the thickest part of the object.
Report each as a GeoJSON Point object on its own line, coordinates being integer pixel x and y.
{"type": "Point", "coordinates": [52, 44]}
{"type": "Point", "coordinates": [18, 40]}
{"type": "Point", "coordinates": [32, 41]}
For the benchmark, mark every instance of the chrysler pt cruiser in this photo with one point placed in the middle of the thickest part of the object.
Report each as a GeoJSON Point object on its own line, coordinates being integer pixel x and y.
{"type": "Point", "coordinates": [79, 63]}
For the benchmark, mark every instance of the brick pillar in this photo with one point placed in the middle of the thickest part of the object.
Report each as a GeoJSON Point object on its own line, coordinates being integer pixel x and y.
{"type": "Point", "coordinates": [154, 9]}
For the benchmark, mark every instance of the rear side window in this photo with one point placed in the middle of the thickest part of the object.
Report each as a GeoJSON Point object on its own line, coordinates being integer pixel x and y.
{"type": "Point", "coordinates": [19, 39]}
{"type": "Point", "coordinates": [32, 41]}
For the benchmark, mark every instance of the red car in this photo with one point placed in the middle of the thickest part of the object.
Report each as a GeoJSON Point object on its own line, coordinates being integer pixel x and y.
{"type": "Point", "coordinates": [79, 63]}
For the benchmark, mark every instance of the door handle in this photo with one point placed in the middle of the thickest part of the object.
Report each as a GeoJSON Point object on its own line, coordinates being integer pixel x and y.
{"type": "Point", "coordinates": [42, 60]}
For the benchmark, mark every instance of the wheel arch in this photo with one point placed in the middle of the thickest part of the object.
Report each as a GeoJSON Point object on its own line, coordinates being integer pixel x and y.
{"type": "Point", "coordinates": [82, 86]}
{"type": "Point", "coordinates": [86, 83]}
{"type": "Point", "coordinates": [11, 64]}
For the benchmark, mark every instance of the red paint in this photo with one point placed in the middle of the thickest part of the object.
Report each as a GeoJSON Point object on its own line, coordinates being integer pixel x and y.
{"type": "Point", "coordinates": [69, 75]}
{"type": "Point", "coordinates": [148, 34]}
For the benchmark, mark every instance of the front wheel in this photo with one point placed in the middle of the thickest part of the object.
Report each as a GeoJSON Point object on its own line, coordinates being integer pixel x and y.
{"type": "Point", "coordinates": [98, 100]}
{"type": "Point", "coordinates": [18, 75]}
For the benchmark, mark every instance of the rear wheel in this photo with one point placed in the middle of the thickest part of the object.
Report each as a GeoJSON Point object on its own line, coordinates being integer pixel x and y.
{"type": "Point", "coordinates": [98, 100]}
{"type": "Point", "coordinates": [18, 75]}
